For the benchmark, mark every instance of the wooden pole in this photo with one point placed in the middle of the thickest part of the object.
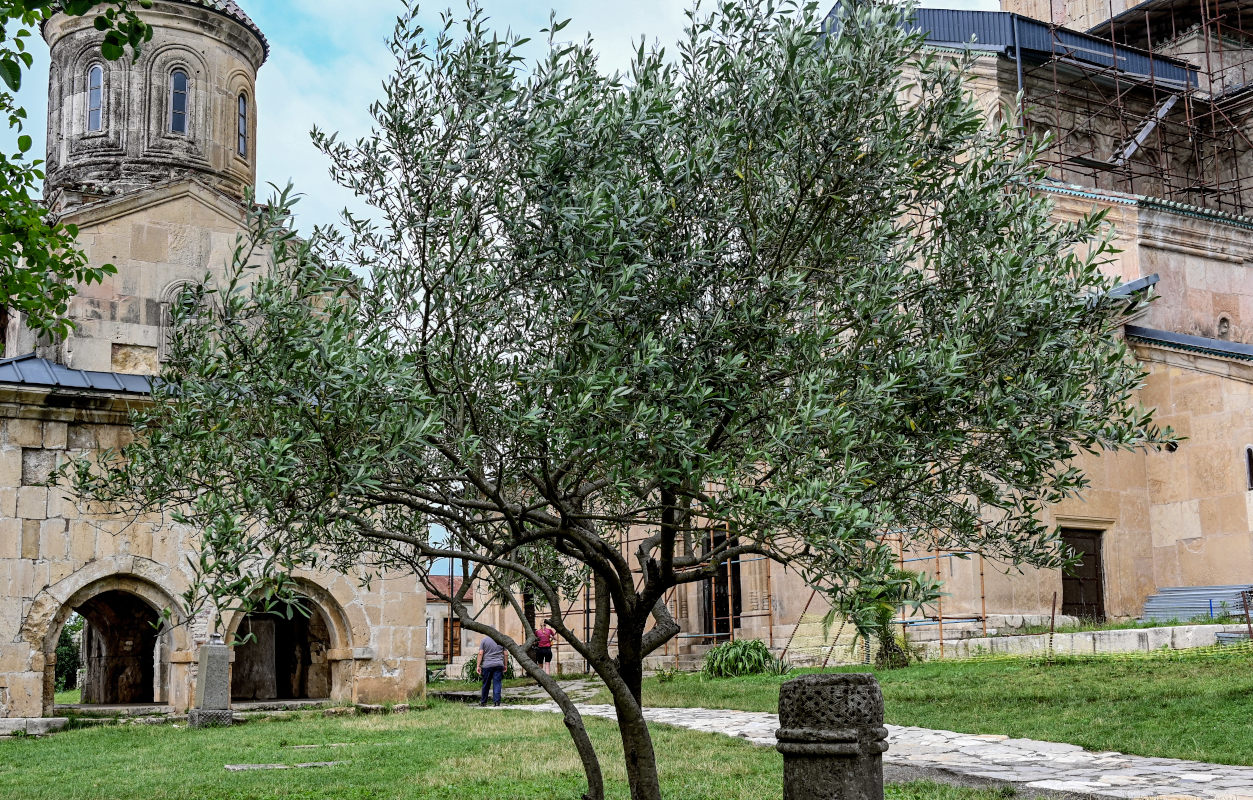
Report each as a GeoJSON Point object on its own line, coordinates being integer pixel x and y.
{"type": "Point", "coordinates": [1052, 624]}
{"type": "Point", "coordinates": [786, 647]}
{"type": "Point", "coordinates": [770, 604]}
{"type": "Point", "coordinates": [1249, 624]}
{"type": "Point", "coordinates": [939, 602]}
{"type": "Point", "coordinates": [983, 597]}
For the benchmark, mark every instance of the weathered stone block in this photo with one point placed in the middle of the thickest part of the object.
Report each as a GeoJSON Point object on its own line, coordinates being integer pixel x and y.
{"type": "Point", "coordinates": [80, 437]}
{"type": "Point", "coordinates": [37, 466]}
{"type": "Point", "coordinates": [10, 538]}
{"type": "Point", "coordinates": [53, 538]}
{"type": "Point", "coordinates": [45, 725]}
{"type": "Point", "coordinates": [30, 538]}
{"type": "Point", "coordinates": [26, 433]}
{"type": "Point", "coordinates": [134, 359]}
{"type": "Point", "coordinates": [32, 502]}
{"type": "Point", "coordinates": [11, 467]}
{"type": "Point", "coordinates": [213, 680]}
{"type": "Point", "coordinates": [55, 435]}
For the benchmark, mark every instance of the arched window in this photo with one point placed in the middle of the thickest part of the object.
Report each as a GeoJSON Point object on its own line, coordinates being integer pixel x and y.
{"type": "Point", "coordinates": [95, 99]}
{"type": "Point", "coordinates": [1248, 466]}
{"type": "Point", "coordinates": [178, 102]}
{"type": "Point", "coordinates": [243, 125]}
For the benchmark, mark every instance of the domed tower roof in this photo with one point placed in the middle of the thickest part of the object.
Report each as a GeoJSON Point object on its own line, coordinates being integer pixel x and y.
{"type": "Point", "coordinates": [231, 9]}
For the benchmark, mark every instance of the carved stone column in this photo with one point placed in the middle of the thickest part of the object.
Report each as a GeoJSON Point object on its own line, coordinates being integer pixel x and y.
{"type": "Point", "coordinates": [832, 737]}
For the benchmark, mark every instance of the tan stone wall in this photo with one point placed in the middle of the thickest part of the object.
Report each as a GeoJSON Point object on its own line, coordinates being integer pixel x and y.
{"type": "Point", "coordinates": [54, 557]}
{"type": "Point", "coordinates": [159, 241]}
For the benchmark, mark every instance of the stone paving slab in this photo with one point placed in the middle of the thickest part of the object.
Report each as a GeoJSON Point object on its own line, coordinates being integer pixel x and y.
{"type": "Point", "coordinates": [1052, 766]}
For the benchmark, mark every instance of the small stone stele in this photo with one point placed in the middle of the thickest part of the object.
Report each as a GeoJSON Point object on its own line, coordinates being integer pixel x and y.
{"type": "Point", "coordinates": [832, 737]}
{"type": "Point", "coordinates": [213, 686]}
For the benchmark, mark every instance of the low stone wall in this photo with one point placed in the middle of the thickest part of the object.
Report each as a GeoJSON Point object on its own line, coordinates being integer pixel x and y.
{"type": "Point", "coordinates": [38, 726]}
{"type": "Point", "coordinates": [1132, 640]}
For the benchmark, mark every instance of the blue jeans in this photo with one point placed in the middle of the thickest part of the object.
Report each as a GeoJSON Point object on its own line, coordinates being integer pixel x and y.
{"type": "Point", "coordinates": [492, 676]}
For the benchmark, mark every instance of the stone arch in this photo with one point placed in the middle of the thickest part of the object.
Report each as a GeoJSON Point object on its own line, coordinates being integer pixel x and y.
{"type": "Point", "coordinates": [98, 587]}
{"type": "Point", "coordinates": [296, 658]}
{"type": "Point", "coordinates": [200, 123]}
{"type": "Point", "coordinates": [239, 83]}
{"type": "Point", "coordinates": [165, 305]}
{"type": "Point", "coordinates": [70, 85]}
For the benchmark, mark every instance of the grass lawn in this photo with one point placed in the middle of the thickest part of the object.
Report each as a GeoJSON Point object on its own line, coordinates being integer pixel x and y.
{"type": "Point", "coordinates": [1195, 708]}
{"type": "Point", "coordinates": [448, 751]}
{"type": "Point", "coordinates": [69, 697]}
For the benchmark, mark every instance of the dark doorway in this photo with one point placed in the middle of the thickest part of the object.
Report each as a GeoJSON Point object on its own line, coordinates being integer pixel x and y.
{"type": "Point", "coordinates": [120, 649]}
{"type": "Point", "coordinates": [723, 598]}
{"type": "Point", "coordinates": [1083, 587]}
{"type": "Point", "coordinates": [452, 638]}
{"type": "Point", "coordinates": [282, 659]}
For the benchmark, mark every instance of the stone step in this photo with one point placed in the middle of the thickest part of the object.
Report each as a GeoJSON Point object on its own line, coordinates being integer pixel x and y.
{"type": "Point", "coordinates": [105, 711]}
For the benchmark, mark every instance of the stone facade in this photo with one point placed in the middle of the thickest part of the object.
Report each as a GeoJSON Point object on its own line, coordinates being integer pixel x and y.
{"type": "Point", "coordinates": [1178, 517]}
{"type": "Point", "coordinates": [164, 208]}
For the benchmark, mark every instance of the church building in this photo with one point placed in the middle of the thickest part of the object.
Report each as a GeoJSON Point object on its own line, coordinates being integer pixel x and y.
{"type": "Point", "coordinates": [150, 159]}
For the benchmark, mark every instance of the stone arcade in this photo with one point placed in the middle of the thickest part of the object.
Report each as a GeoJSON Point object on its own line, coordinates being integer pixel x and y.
{"type": "Point", "coordinates": [151, 160]}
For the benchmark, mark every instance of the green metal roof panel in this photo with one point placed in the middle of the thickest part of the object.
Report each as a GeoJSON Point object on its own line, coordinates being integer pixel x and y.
{"type": "Point", "coordinates": [29, 370]}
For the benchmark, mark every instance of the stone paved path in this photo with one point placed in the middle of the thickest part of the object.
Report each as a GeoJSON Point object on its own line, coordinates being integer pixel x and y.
{"type": "Point", "coordinates": [1025, 762]}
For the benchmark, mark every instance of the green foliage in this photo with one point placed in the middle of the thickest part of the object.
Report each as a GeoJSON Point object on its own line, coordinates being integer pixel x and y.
{"type": "Point", "coordinates": [667, 674]}
{"type": "Point", "coordinates": [69, 659]}
{"type": "Point", "coordinates": [470, 670]}
{"type": "Point", "coordinates": [742, 657]}
{"type": "Point", "coordinates": [802, 268]}
{"type": "Point", "coordinates": [39, 263]}
{"type": "Point", "coordinates": [871, 608]}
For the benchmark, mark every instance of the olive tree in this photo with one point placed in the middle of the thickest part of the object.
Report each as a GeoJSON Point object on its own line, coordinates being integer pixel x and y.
{"type": "Point", "coordinates": [786, 280]}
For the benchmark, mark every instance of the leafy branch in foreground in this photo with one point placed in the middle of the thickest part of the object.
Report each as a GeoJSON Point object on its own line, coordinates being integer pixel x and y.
{"type": "Point", "coordinates": [784, 285]}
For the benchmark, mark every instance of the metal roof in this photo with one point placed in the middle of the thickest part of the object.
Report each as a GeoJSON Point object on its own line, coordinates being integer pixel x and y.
{"type": "Point", "coordinates": [1194, 344]}
{"type": "Point", "coordinates": [1019, 36]}
{"type": "Point", "coordinates": [29, 370]}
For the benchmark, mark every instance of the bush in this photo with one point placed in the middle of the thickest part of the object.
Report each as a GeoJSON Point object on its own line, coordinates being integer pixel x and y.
{"type": "Point", "coordinates": [470, 670]}
{"type": "Point", "coordinates": [742, 657]}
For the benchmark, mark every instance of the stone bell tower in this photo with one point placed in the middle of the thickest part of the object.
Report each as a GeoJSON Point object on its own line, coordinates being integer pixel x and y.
{"type": "Point", "coordinates": [150, 159]}
{"type": "Point", "coordinates": [185, 109]}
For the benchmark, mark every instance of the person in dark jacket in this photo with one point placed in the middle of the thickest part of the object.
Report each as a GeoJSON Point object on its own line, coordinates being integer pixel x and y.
{"type": "Point", "coordinates": [491, 669]}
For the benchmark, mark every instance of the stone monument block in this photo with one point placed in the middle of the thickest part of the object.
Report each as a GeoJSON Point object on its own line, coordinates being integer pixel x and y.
{"type": "Point", "coordinates": [832, 737]}
{"type": "Point", "coordinates": [213, 685]}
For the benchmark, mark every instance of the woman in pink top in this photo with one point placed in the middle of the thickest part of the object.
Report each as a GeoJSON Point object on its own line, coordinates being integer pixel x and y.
{"type": "Point", "coordinates": [544, 645]}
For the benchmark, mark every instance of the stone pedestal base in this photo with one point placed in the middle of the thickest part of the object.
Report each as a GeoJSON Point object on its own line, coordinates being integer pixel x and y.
{"type": "Point", "coordinates": [200, 718]}
{"type": "Point", "coordinates": [832, 737]}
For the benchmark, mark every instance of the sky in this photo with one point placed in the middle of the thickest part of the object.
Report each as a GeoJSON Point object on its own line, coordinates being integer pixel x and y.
{"type": "Point", "coordinates": [328, 59]}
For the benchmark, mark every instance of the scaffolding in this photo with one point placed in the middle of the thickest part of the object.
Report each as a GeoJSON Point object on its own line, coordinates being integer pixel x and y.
{"type": "Point", "coordinates": [1154, 100]}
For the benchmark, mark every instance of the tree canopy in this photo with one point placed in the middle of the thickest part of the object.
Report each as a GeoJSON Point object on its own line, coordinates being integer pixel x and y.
{"type": "Point", "coordinates": [39, 263]}
{"type": "Point", "coordinates": [787, 281]}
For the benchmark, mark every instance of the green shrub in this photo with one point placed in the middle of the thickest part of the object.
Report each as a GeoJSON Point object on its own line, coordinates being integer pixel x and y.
{"type": "Point", "coordinates": [667, 674]}
{"type": "Point", "coordinates": [742, 657]}
{"type": "Point", "coordinates": [470, 670]}
{"type": "Point", "coordinates": [68, 659]}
